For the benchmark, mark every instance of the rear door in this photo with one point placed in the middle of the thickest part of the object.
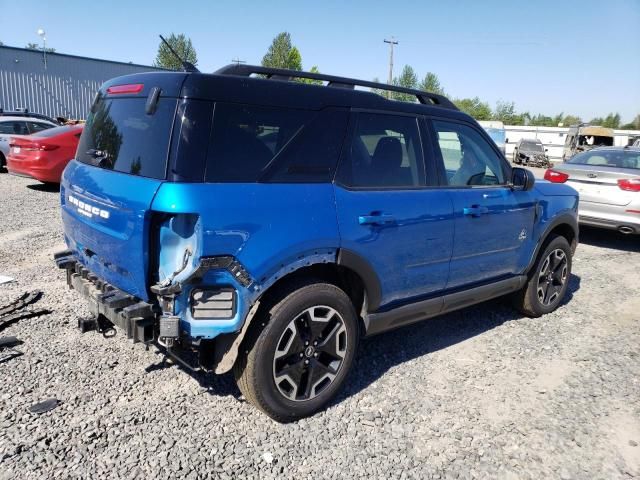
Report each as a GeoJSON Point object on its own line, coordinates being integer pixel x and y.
{"type": "Point", "coordinates": [107, 191]}
{"type": "Point", "coordinates": [388, 213]}
{"type": "Point", "coordinates": [493, 222]}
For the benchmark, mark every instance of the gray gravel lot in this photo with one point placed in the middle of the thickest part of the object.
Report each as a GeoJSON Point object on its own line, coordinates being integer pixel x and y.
{"type": "Point", "coordinates": [482, 393]}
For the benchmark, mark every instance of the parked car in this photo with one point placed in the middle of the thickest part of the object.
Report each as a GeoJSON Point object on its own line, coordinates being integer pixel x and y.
{"type": "Point", "coordinates": [20, 124]}
{"type": "Point", "coordinates": [583, 137]}
{"type": "Point", "coordinates": [530, 152]}
{"type": "Point", "coordinates": [263, 226]}
{"type": "Point", "coordinates": [608, 181]}
{"type": "Point", "coordinates": [45, 154]}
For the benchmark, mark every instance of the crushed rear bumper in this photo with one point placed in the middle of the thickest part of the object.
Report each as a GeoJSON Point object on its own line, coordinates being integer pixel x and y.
{"type": "Point", "coordinates": [138, 319]}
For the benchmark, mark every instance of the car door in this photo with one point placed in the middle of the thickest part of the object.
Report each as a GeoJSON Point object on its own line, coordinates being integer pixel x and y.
{"type": "Point", "coordinates": [388, 213]}
{"type": "Point", "coordinates": [493, 221]}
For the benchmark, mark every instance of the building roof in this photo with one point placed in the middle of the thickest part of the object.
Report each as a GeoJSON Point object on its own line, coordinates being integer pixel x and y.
{"type": "Point", "coordinates": [56, 54]}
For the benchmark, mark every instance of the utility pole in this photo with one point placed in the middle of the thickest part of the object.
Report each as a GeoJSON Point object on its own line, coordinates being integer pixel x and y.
{"type": "Point", "coordinates": [391, 43]}
{"type": "Point", "coordinates": [237, 61]}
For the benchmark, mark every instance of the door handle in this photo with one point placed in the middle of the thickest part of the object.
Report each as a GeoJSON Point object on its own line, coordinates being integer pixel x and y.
{"type": "Point", "coordinates": [475, 210]}
{"type": "Point", "coordinates": [376, 219]}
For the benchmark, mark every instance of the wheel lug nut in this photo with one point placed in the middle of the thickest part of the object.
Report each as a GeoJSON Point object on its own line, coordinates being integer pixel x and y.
{"type": "Point", "coordinates": [315, 343]}
{"type": "Point", "coordinates": [306, 343]}
{"type": "Point", "coordinates": [306, 362]}
{"type": "Point", "coordinates": [315, 354]}
{"type": "Point", "coordinates": [301, 355]}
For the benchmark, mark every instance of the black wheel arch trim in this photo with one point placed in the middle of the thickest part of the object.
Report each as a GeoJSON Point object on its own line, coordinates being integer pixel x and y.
{"type": "Point", "coordinates": [352, 260]}
{"type": "Point", "coordinates": [563, 219]}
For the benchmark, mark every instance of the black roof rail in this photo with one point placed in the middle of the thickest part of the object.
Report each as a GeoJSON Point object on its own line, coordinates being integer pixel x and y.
{"type": "Point", "coordinates": [423, 97]}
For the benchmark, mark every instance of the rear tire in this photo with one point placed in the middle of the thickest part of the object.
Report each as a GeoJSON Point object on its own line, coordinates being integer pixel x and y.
{"type": "Point", "coordinates": [548, 280]}
{"type": "Point", "coordinates": [300, 351]}
{"type": "Point", "coordinates": [3, 163]}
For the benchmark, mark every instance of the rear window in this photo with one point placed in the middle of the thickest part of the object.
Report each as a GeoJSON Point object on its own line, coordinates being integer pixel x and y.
{"type": "Point", "coordinates": [608, 158]}
{"type": "Point", "coordinates": [119, 135]}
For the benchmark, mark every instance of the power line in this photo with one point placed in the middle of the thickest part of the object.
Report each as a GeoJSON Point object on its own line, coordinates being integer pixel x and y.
{"type": "Point", "coordinates": [391, 43]}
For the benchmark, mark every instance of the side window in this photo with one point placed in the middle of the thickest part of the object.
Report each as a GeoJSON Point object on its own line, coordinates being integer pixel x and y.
{"type": "Point", "coordinates": [6, 128]}
{"type": "Point", "coordinates": [13, 127]}
{"type": "Point", "coordinates": [311, 156]}
{"type": "Point", "coordinates": [384, 151]}
{"type": "Point", "coordinates": [468, 157]}
{"type": "Point", "coordinates": [38, 126]}
{"type": "Point", "coordinates": [246, 138]}
{"type": "Point", "coordinates": [567, 141]}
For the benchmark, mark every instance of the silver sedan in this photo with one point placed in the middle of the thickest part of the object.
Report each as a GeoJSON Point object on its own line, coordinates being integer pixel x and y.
{"type": "Point", "coordinates": [608, 181]}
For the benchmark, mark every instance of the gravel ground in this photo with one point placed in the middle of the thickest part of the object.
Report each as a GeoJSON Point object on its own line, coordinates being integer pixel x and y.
{"type": "Point", "coordinates": [482, 393]}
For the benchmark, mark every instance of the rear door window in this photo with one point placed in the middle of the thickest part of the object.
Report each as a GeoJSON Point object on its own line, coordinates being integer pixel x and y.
{"type": "Point", "coordinates": [385, 152]}
{"type": "Point", "coordinates": [119, 135]}
{"type": "Point", "coordinates": [251, 143]}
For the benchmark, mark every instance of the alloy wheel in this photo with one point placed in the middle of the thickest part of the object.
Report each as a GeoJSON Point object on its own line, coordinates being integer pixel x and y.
{"type": "Point", "coordinates": [552, 277]}
{"type": "Point", "coordinates": [310, 353]}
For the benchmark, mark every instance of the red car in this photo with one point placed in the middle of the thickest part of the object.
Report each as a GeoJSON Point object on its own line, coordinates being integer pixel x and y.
{"type": "Point", "coordinates": [44, 155]}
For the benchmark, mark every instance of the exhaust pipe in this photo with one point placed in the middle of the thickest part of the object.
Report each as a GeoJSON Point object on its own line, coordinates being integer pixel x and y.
{"type": "Point", "coordinates": [626, 230]}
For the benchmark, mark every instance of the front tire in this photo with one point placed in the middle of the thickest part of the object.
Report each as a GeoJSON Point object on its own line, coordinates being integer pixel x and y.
{"type": "Point", "coordinates": [548, 281]}
{"type": "Point", "coordinates": [297, 362]}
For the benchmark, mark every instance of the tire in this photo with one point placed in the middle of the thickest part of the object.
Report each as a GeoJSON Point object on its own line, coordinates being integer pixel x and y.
{"type": "Point", "coordinates": [280, 370]}
{"type": "Point", "coordinates": [548, 280]}
{"type": "Point", "coordinates": [3, 163]}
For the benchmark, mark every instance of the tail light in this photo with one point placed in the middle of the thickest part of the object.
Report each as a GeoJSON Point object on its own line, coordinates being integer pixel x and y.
{"type": "Point", "coordinates": [555, 176]}
{"type": "Point", "coordinates": [122, 89]}
{"type": "Point", "coordinates": [629, 184]}
{"type": "Point", "coordinates": [34, 147]}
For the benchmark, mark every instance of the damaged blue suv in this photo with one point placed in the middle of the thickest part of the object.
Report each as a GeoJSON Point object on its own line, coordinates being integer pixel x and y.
{"type": "Point", "coordinates": [248, 221]}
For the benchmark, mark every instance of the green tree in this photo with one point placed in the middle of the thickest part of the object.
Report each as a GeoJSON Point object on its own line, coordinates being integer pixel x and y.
{"type": "Point", "coordinates": [506, 113]}
{"type": "Point", "coordinates": [407, 79]}
{"type": "Point", "coordinates": [569, 120]}
{"type": "Point", "coordinates": [612, 120]}
{"type": "Point", "coordinates": [633, 124]}
{"type": "Point", "coordinates": [35, 46]}
{"type": "Point", "coordinates": [475, 107]}
{"type": "Point", "coordinates": [313, 69]}
{"type": "Point", "coordinates": [183, 47]}
{"type": "Point", "coordinates": [431, 83]}
{"type": "Point", "coordinates": [282, 54]}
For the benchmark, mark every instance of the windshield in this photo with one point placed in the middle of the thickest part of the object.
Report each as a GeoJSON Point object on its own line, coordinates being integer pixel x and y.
{"type": "Point", "coordinates": [609, 158]}
{"type": "Point", "coordinates": [119, 135]}
{"type": "Point", "coordinates": [531, 147]}
{"type": "Point", "coordinates": [498, 135]}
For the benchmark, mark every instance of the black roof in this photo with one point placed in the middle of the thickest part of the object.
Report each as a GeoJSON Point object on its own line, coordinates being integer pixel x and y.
{"type": "Point", "coordinates": [276, 87]}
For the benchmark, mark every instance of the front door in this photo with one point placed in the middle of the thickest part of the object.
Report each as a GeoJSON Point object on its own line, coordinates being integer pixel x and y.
{"type": "Point", "coordinates": [493, 229]}
{"type": "Point", "coordinates": [387, 213]}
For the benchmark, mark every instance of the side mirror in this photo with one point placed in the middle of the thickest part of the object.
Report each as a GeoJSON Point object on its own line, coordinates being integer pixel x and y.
{"type": "Point", "coordinates": [546, 149]}
{"type": "Point", "coordinates": [522, 179]}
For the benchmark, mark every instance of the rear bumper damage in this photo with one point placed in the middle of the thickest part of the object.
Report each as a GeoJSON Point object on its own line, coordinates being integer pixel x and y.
{"type": "Point", "coordinates": [148, 323]}
{"type": "Point", "coordinates": [138, 319]}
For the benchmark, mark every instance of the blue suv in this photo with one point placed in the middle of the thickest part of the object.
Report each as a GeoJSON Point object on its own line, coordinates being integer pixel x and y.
{"type": "Point", "coordinates": [250, 220]}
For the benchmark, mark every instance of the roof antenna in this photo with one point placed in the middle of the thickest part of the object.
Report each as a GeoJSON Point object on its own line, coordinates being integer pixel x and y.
{"type": "Point", "coordinates": [186, 66]}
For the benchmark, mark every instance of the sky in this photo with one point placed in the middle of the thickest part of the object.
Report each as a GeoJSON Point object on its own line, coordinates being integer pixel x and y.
{"type": "Point", "coordinates": [579, 57]}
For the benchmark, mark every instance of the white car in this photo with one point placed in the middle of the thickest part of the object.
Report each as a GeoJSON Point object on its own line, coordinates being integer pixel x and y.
{"type": "Point", "coordinates": [12, 126]}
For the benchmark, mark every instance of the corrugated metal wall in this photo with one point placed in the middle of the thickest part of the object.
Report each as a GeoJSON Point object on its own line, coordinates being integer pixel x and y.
{"type": "Point", "coordinates": [65, 88]}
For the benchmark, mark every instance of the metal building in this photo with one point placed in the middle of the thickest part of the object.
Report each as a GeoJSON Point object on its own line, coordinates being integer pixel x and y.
{"type": "Point", "coordinates": [63, 86]}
